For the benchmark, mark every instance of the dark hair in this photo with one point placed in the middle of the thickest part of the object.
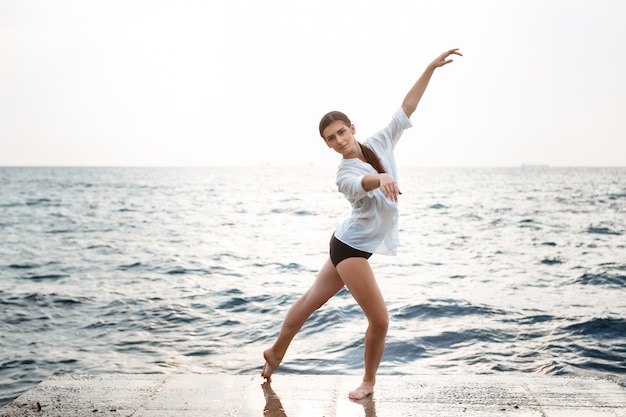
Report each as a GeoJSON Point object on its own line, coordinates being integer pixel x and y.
{"type": "Point", "coordinates": [369, 155]}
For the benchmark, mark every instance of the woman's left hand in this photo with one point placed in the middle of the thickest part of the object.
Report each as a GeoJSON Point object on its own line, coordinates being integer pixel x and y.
{"type": "Point", "coordinates": [389, 187]}
{"type": "Point", "coordinates": [443, 58]}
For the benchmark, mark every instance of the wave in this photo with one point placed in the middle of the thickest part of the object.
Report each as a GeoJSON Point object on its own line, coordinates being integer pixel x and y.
{"type": "Point", "coordinates": [443, 308]}
{"type": "Point", "coordinates": [601, 230]}
{"type": "Point", "coordinates": [530, 224]}
{"type": "Point", "coordinates": [610, 275]}
{"type": "Point", "coordinates": [181, 270]}
{"type": "Point", "coordinates": [46, 277]}
{"type": "Point", "coordinates": [48, 300]}
{"type": "Point", "coordinates": [11, 205]}
{"type": "Point", "coordinates": [23, 266]}
{"type": "Point", "coordinates": [296, 212]}
{"type": "Point", "coordinates": [551, 261]}
{"type": "Point", "coordinates": [600, 328]}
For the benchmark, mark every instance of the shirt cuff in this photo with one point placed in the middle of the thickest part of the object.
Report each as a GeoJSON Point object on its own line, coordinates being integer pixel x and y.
{"type": "Point", "coordinates": [404, 120]}
{"type": "Point", "coordinates": [370, 194]}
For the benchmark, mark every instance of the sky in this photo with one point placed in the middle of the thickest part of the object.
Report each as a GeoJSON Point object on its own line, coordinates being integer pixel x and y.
{"type": "Point", "coordinates": [245, 82]}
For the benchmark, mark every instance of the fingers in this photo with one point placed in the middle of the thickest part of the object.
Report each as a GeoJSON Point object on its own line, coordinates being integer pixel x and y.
{"type": "Point", "coordinates": [444, 58]}
{"type": "Point", "coordinates": [391, 191]}
{"type": "Point", "coordinates": [389, 187]}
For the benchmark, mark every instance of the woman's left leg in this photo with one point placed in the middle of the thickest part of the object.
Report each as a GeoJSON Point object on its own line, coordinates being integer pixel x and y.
{"type": "Point", "coordinates": [358, 277]}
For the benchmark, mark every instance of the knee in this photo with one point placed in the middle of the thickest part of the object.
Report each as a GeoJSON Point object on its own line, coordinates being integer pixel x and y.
{"type": "Point", "coordinates": [379, 325]}
{"type": "Point", "coordinates": [310, 302]}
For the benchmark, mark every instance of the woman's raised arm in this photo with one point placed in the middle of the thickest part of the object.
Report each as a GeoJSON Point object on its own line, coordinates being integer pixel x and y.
{"type": "Point", "coordinates": [413, 97]}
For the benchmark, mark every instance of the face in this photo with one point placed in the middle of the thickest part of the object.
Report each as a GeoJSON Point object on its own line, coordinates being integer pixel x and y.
{"type": "Point", "coordinates": [341, 138]}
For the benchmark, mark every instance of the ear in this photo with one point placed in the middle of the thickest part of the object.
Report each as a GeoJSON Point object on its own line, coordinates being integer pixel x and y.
{"type": "Point", "coordinates": [352, 129]}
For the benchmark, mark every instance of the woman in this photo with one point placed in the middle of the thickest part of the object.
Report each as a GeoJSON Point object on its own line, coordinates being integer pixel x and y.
{"type": "Point", "coordinates": [367, 177]}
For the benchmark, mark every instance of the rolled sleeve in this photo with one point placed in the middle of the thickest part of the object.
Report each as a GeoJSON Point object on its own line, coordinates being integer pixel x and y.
{"type": "Point", "coordinates": [404, 120]}
{"type": "Point", "coordinates": [388, 137]}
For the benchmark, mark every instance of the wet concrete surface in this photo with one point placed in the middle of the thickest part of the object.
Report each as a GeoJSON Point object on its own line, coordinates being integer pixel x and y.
{"type": "Point", "coordinates": [156, 395]}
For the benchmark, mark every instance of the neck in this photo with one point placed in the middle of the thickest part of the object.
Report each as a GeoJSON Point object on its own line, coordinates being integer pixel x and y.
{"type": "Point", "coordinates": [356, 154]}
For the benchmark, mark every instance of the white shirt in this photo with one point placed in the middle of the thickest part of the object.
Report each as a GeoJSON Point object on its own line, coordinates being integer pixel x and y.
{"type": "Point", "coordinates": [373, 225]}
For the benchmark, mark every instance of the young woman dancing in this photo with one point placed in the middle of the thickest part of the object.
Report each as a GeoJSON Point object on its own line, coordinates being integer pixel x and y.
{"type": "Point", "coordinates": [368, 179]}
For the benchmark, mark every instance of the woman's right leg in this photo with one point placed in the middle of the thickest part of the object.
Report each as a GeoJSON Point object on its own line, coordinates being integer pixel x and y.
{"type": "Point", "coordinates": [327, 284]}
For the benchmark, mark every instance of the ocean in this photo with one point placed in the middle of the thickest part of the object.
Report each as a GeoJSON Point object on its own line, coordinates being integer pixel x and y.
{"type": "Point", "coordinates": [191, 270]}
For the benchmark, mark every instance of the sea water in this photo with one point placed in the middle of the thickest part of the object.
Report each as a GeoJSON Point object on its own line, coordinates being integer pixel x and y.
{"type": "Point", "coordinates": [191, 270]}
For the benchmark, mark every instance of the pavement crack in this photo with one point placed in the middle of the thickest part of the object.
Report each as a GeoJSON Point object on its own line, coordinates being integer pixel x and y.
{"type": "Point", "coordinates": [533, 401]}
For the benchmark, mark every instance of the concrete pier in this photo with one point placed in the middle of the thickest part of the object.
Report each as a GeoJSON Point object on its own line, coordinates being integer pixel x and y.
{"type": "Point", "coordinates": [155, 395]}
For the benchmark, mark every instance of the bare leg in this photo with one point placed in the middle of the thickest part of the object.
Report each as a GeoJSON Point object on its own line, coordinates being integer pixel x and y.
{"type": "Point", "coordinates": [358, 276]}
{"type": "Point", "coordinates": [327, 284]}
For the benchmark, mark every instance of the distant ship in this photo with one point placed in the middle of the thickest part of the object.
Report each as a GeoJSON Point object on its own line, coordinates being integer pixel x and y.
{"type": "Point", "coordinates": [535, 166]}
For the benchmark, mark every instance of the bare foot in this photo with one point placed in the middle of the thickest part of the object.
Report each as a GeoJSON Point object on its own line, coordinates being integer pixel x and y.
{"type": "Point", "coordinates": [364, 390]}
{"type": "Point", "coordinates": [271, 363]}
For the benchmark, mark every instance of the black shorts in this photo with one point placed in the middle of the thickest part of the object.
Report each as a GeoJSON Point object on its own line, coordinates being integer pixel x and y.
{"type": "Point", "coordinates": [340, 251]}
